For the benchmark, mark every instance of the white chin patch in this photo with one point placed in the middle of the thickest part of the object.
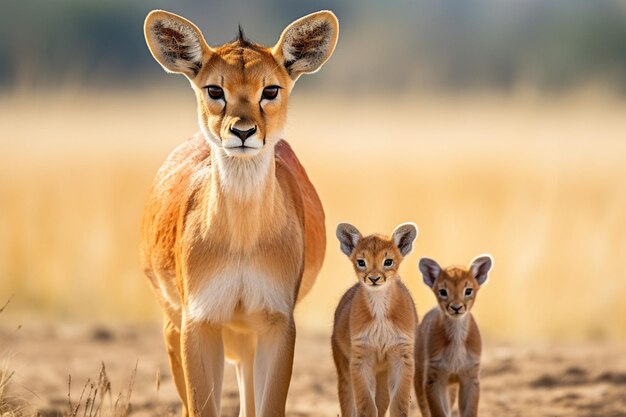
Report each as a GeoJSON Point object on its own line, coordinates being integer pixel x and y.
{"type": "Point", "coordinates": [242, 151]}
{"type": "Point", "coordinates": [377, 287]}
{"type": "Point", "coordinates": [233, 146]}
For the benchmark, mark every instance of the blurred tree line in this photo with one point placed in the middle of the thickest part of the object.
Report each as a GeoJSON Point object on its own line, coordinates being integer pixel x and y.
{"type": "Point", "coordinates": [392, 45]}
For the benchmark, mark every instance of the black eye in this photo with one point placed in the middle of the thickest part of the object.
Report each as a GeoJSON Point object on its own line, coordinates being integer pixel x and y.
{"type": "Point", "coordinates": [215, 92]}
{"type": "Point", "coordinates": [443, 292]}
{"type": "Point", "coordinates": [468, 292]}
{"type": "Point", "coordinates": [360, 263]}
{"type": "Point", "coordinates": [270, 93]}
{"type": "Point", "coordinates": [388, 262]}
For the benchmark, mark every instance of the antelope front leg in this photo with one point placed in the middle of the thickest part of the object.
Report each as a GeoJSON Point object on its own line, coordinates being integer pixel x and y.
{"type": "Point", "coordinates": [437, 392]}
{"type": "Point", "coordinates": [203, 364]}
{"type": "Point", "coordinates": [468, 396]}
{"type": "Point", "coordinates": [418, 381]}
{"type": "Point", "coordinates": [173, 346]}
{"type": "Point", "coordinates": [273, 363]}
{"type": "Point", "coordinates": [240, 348]}
{"type": "Point", "coordinates": [363, 381]}
{"type": "Point", "coordinates": [402, 367]}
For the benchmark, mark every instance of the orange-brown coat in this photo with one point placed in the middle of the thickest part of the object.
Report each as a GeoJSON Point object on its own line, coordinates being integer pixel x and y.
{"type": "Point", "coordinates": [374, 328]}
{"type": "Point", "coordinates": [448, 343]}
{"type": "Point", "coordinates": [233, 232]}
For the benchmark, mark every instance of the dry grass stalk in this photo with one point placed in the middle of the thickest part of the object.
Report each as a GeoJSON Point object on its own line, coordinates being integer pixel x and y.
{"type": "Point", "coordinates": [6, 304]}
{"type": "Point", "coordinates": [9, 406]}
{"type": "Point", "coordinates": [92, 399]}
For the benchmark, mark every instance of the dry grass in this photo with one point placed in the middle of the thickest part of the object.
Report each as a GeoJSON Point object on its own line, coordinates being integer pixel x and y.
{"type": "Point", "coordinates": [96, 398]}
{"type": "Point", "coordinates": [9, 406]}
{"type": "Point", "coordinates": [538, 182]}
{"type": "Point", "coordinates": [5, 377]}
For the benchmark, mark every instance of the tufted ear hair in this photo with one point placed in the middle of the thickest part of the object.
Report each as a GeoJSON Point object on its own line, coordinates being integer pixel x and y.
{"type": "Point", "coordinates": [306, 44]}
{"type": "Point", "coordinates": [403, 237]}
{"type": "Point", "coordinates": [480, 267]}
{"type": "Point", "coordinates": [176, 43]}
{"type": "Point", "coordinates": [348, 236]}
{"type": "Point", "coordinates": [430, 270]}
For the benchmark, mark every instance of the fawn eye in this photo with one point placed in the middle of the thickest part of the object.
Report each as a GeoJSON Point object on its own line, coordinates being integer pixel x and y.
{"type": "Point", "coordinates": [388, 262]}
{"type": "Point", "coordinates": [468, 292]}
{"type": "Point", "coordinates": [215, 92]}
{"type": "Point", "coordinates": [270, 93]}
{"type": "Point", "coordinates": [360, 263]}
{"type": "Point", "coordinates": [443, 292]}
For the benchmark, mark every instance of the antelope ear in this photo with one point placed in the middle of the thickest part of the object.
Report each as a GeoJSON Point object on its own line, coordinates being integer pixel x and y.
{"type": "Point", "coordinates": [176, 43]}
{"type": "Point", "coordinates": [306, 44]}
{"type": "Point", "coordinates": [403, 237]}
{"type": "Point", "coordinates": [480, 267]}
{"type": "Point", "coordinates": [430, 270]}
{"type": "Point", "coordinates": [349, 237]}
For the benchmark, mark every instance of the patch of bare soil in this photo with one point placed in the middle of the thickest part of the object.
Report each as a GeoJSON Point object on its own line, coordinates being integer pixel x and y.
{"type": "Point", "coordinates": [547, 380]}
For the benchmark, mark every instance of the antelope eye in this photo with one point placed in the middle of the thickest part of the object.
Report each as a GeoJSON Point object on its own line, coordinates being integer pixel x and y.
{"type": "Point", "coordinates": [215, 92]}
{"type": "Point", "coordinates": [388, 262]}
{"type": "Point", "coordinates": [270, 93]}
{"type": "Point", "coordinates": [360, 263]}
{"type": "Point", "coordinates": [443, 292]}
{"type": "Point", "coordinates": [468, 292]}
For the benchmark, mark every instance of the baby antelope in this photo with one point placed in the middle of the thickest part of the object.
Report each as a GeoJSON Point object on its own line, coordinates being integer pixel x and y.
{"type": "Point", "coordinates": [375, 322]}
{"type": "Point", "coordinates": [448, 345]}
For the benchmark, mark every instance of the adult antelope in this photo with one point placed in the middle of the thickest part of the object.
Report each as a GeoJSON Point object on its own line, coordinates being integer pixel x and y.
{"type": "Point", "coordinates": [233, 232]}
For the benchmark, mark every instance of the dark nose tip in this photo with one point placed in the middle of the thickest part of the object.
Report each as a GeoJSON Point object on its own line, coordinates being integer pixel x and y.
{"type": "Point", "coordinates": [374, 279]}
{"type": "Point", "coordinates": [456, 309]}
{"type": "Point", "coordinates": [243, 134]}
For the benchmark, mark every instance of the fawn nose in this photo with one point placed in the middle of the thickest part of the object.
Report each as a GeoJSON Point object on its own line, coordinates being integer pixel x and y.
{"type": "Point", "coordinates": [243, 134]}
{"type": "Point", "coordinates": [374, 279]}
{"type": "Point", "coordinates": [456, 309]}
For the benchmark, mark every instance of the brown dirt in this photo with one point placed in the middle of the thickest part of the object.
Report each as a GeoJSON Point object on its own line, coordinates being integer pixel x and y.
{"type": "Point", "coordinates": [537, 380]}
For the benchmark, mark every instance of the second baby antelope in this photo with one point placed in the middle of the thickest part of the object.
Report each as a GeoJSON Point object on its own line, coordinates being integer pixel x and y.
{"type": "Point", "coordinates": [375, 322]}
{"type": "Point", "coordinates": [448, 344]}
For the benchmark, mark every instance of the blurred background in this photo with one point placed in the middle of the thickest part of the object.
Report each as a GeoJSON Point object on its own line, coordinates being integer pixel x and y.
{"type": "Point", "coordinates": [496, 126]}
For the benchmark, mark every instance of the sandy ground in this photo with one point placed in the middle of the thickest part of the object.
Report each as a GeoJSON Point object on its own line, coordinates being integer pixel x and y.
{"type": "Point", "coordinates": [538, 380]}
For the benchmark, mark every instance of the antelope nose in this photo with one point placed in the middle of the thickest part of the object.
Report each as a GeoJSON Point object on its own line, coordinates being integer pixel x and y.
{"type": "Point", "coordinates": [456, 308]}
{"type": "Point", "coordinates": [243, 134]}
{"type": "Point", "coordinates": [374, 279]}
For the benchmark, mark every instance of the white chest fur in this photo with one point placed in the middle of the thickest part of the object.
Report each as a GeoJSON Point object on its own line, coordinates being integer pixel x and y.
{"type": "Point", "coordinates": [240, 287]}
{"type": "Point", "coordinates": [381, 334]}
{"type": "Point", "coordinates": [455, 355]}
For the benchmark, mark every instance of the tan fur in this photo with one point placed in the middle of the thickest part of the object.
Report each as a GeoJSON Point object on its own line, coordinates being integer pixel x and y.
{"type": "Point", "coordinates": [374, 330]}
{"type": "Point", "coordinates": [448, 344]}
{"type": "Point", "coordinates": [233, 230]}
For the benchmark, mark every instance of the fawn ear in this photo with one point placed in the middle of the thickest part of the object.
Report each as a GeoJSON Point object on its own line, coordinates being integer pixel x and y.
{"type": "Point", "coordinates": [430, 270]}
{"type": "Point", "coordinates": [480, 267]}
{"type": "Point", "coordinates": [403, 237]}
{"type": "Point", "coordinates": [306, 44]}
{"type": "Point", "coordinates": [176, 43]}
{"type": "Point", "coordinates": [348, 236]}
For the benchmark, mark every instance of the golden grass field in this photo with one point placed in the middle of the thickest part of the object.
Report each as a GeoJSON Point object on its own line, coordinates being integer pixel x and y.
{"type": "Point", "coordinates": [537, 181]}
